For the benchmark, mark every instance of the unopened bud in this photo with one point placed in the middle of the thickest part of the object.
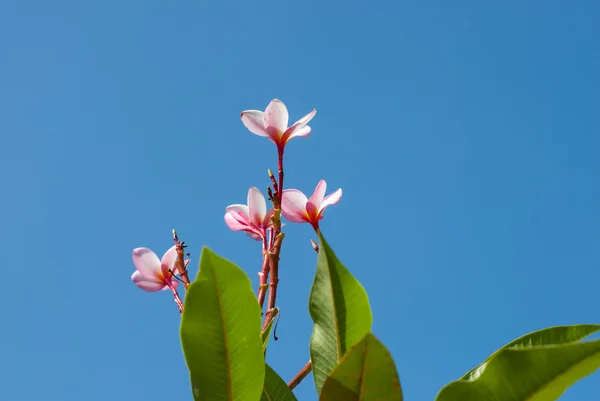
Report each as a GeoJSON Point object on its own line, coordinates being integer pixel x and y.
{"type": "Point", "coordinates": [314, 245]}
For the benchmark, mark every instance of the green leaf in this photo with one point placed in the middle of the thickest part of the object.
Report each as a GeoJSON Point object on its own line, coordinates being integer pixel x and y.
{"type": "Point", "coordinates": [220, 333]}
{"type": "Point", "coordinates": [539, 366]}
{"type": "Point", "coordinates": [366, 373]}
{"type": "Point", "coordinates": [340, 311]}
{"type": "Point", "coordinates": [549, 336]}
{"type": "Point", "coordinates": [275, 388]}
{"type": "Point", "coordinates": [267, 332]}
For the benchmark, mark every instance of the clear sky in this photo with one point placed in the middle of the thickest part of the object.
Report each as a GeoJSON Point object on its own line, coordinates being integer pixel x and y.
{"type": "Point", "coordinates": [464, 134]}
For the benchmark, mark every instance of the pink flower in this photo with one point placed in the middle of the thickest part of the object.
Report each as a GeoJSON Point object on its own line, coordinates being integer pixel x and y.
{"type": "Point", "coordinates": [273, 123]}
{"type": "Point", "coordinates": [253, 218]}
{"type": "Point", "coordinates": [297, 209]}
{"type": "Point", "coordinates": [153, 274]}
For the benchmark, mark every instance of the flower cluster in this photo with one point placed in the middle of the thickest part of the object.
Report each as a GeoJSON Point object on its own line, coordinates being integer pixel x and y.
{"type": "Point", "coordinates": [253, 218]}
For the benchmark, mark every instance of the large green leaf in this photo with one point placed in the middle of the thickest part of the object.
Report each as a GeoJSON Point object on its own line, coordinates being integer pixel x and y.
{"type": "Point", "coordinates": [539, 366]}
{"type": "Point", "coordinates": [366, 373]}
{"type": "Point", "coordinates": [340, 311]}
{"type": "Point", "coordinates": [275, 388]}
{"type": "Point", "coordinates": [549, 336]}
{"type": "Point", "coordinates": [220, 333]}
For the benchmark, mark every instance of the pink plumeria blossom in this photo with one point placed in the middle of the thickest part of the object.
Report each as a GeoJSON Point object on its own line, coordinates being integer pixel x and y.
{"type": "Point", "coordinates": [153, 274]}
{"type": "Point", "coordinates": [252, 218]}
{"type": "Point", "coordinates": [298, 209]}
{"type": "Point", "coordinates": [273, 123]}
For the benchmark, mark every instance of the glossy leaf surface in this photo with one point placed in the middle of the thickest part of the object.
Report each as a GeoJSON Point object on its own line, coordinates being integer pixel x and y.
{"type": "Point", "coordinates": [220, 333]}
{"type": "Point", "coordinates": [539, 366]}
{"type": "Point", "coordinates": [340, 311]}
{"type": "Point", "coordinates": [366, 373]}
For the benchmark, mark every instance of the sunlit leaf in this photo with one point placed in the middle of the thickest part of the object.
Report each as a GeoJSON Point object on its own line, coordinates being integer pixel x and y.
{"type": "Point", "coordinates": [366, 373]}
{"type": "Point", "coordinates": [340, 311]}
{"type": "Point", "coordinates": [539, 366]}
{"type": "Point", "coordinates": [220, 333]}
{"type": "Point", "coordinates": [275, 389]}
{"type": "Point", "coordinates": [549, 336]}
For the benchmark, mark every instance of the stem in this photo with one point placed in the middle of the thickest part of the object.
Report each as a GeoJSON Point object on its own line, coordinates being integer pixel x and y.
{"type": "Point", "coordinates": [301, 375]}
{"type": "Point", "coordinates": [180, 264]}
{"type": "Point", "coordinates": [272, 256]}
{"type": "Point", "coordinates": [274, 278]}
{"type": "Point", "coordinates": [280, 171]}
{"type": "Point", "coordinates": [262, 289]}
{"type": "Point", "coordinates": [177, 299]}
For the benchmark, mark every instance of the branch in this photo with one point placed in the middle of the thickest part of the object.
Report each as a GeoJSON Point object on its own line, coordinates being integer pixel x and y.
{"type": "Point", "coordinates": [301, 375]}
{"type": "Point", "coordinates": [274, 278]}
{"type": "Point", "coordinates": [180, 264]}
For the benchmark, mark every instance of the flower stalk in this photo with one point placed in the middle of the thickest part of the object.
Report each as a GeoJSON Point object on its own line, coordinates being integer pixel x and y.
{"type": "Point", "coordinates": [300, 376]}
{"type": "Point", "coordinates": [180, 264]}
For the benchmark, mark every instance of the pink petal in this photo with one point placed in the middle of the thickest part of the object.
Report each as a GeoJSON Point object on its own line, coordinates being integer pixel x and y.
{"type": "Point", "coordinates": [147, 284]}
{"type": "Point", "coordinates": [330, 199]}
{"type": "Point", "coordinates": [254, 120]}
{"type": "Point", "coordinates": [254, 236]}
{"type": "Point", "coordinates": [167, 262]}
{"type": "Point", "coordinates": [276, 115]}
{"type": "Point", "coordinates": [299, 129]}
{"type": "Point", "coordinates": [317, 197]}
{"type": "Point", "coordinates": [306, 119]}
{"type": "Point", "coordinates": [257, 206]}
{"type": "Point", "coordinates": [242, 209]}
{"type": "Point", "coordinates": [293, 206]}
{"type": "Point", "coordinates": [301, 132]}
{"type": "Point", "coordinates": [147, 263]}
{"type": "Point", "coordinates": [236, 221]}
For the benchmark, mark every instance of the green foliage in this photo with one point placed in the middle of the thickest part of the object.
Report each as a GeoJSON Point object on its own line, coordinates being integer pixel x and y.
{"type": "Point", "coordinates": [275, 389]}
{"type": "Point", "coordinates": [539, 366]}
{"type": "Point", "coordinates": [366, 373]}
{"type": "Point", "coordinates": [267, 332]}
{"type": "Point", "coordinates": [220, 333]}
{"type": "Point", "coordinates": [340, 310]}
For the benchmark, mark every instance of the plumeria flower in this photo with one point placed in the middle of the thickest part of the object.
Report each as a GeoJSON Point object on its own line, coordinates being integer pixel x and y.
{"type": "Point", "coordinates": [273, 123]}
{"type": "Point", "coordinates": [153, 274]}
{"type": "Point", "coordinates": [253, 218]}
{"type": "Point", "coordinates": [298, 209]}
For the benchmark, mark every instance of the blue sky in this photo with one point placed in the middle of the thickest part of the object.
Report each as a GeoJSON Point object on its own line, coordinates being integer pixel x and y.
{"type": "Point", "coordinates": [464, 136]}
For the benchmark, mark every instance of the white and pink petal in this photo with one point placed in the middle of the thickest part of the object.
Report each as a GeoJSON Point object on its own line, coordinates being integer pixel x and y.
{"type": "Point", "coordinates": [331, 199]}
{"type": "Point", "coordinates": [293, 206]}
{"type": "Point", "coordinates": [257, 206]}
{"type": "Point", "coordinates": [168, 260]}
{"type": "Point", "coordinates": [147, 263]}
{"type": "Point", "coordinates": [276, 115]}
{"type": "Point", "coordinates": [236, 221]}
{"type": "Point", "coordinates": [306, 119]}
{"type": "Point", "coordinates": [147, 284]}
{"type": "Point", "coordinates": [254, 120]}
{"type": "Point", "coordinates": [317, 197]}
{"type": "Point", "coordinates": [300, 132]}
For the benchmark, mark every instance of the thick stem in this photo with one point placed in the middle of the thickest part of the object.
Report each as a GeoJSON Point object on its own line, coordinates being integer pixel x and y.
{"type": "Point", "coordinates": [275, 241]}
{"type": "Point", "coordinates": [273, 279]}
{"type": "Point", "coordinates": [263, 275]}
{"type": "Point", "coordinates": [180, 265]}
{"type": "Point", "coordinates": [301, 375]}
